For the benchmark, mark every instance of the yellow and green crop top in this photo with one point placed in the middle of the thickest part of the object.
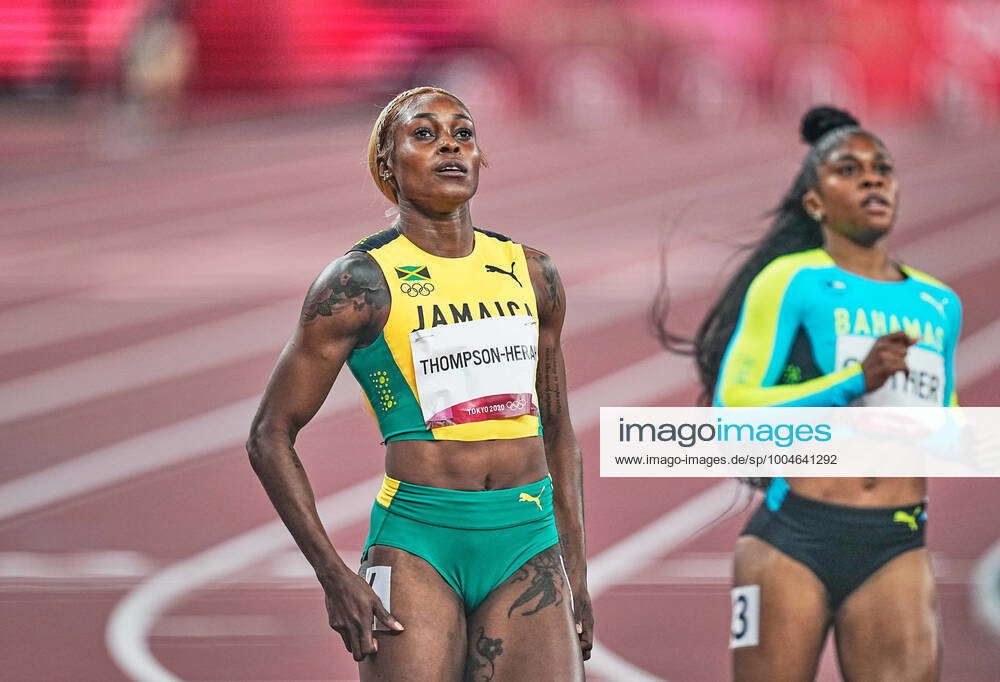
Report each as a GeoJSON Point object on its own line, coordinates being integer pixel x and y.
{"type": "Point", "coordinates": [456, 359]}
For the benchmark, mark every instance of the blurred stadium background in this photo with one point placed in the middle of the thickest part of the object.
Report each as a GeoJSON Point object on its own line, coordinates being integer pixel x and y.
{"type": "Point", "coordinates": [175, 172]}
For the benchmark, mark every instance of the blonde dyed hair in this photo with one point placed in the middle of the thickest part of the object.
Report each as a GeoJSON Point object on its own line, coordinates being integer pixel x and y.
{"type": "Point", "coordinates": [381, 143]}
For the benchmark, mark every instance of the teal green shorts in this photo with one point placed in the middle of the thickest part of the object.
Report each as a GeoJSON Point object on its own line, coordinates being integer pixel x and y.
{"type": "Point", "coordinates": [474, 539]}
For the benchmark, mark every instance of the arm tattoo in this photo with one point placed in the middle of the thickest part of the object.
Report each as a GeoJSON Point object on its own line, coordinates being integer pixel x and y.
{"type": "Point", "coordinates": [550, 391]}
{"type": "Point", "coordinates": [353, 282]}
{"type": "Point", "coordinates": [552, 282]}
{"type": "Point", "coordinates": [481, 666]}
{"type": "Point", "coordinates": [547, 581]}
{"type": "Point", "coordinates": [550, 296]}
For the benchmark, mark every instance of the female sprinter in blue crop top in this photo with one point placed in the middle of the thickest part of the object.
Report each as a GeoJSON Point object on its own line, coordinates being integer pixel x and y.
{"type": "Point", "coordinates": [819, 316]}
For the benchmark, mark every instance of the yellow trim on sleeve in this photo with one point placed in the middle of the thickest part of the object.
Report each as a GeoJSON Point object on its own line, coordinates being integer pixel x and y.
{"type": "Point", "coordinates": [924, 277]}
{"type": "Point", "coordinates": [753, 346]}
{"type": "Point", "coordinates": [761, 396]}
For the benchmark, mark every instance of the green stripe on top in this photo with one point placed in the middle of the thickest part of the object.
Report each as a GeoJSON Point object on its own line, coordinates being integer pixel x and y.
{"type": "Point", "coordinates": [395, 406]}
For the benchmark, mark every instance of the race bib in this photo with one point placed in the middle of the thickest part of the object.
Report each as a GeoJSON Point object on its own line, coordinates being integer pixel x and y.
{"type": "Point", "coordinates": [477, 370]}
{"type": "Point", "coordinates": [379, 578]}
{"type": "Point", "coordinates": [744, 628]}
{"type": "Point", "coordinates": [923, 387]}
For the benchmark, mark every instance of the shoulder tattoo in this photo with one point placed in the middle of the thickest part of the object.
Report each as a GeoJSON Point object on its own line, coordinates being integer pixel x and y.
{"type": "Point", "coordinates": [353, 282]}
{"type": "Point", "coordinates": [551, 290]}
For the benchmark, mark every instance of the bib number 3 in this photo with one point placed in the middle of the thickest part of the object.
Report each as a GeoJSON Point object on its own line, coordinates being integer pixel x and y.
{"type": "Point", "coordinates": [744, 630]}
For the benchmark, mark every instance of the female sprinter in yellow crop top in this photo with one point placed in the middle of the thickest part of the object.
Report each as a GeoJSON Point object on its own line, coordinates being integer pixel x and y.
{"type": "Point", "coordinates": [453, 333]}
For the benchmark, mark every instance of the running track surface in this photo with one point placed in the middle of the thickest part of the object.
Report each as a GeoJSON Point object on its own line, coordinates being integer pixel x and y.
{"type": "Point", "coordinates": [144, 300]}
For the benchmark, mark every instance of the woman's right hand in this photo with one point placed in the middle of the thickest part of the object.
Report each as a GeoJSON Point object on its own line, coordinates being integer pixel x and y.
{"type": "Point", "coordinates": [352, 607]}
{"type": "Point", "coordinates": [886, 357]}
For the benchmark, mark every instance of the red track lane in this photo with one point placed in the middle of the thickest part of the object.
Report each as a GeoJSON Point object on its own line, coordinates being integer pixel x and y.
{"type": "Point", "coordinates": [177, 223]}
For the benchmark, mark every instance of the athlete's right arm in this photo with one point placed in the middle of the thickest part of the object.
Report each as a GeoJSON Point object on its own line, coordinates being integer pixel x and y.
{"type": "Point", "coordinates": [760, 345]}
{"type": "Point", "coordinates": [345, 308]}
{"type": "Point", "coordinates": [758, 351]}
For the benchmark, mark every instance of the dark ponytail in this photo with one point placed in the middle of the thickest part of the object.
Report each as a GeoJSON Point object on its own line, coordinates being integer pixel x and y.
{"type": "Point", "coordinates": [792, 229]}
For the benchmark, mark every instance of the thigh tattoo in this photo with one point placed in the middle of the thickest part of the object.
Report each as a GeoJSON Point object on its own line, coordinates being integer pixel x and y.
{"type": "Point", "coordinates": [481, 663]}
{"type": "Point", "coordinates": [547, 582]}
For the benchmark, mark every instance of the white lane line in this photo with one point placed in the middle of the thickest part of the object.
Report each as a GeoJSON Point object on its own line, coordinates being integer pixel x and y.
{"type": "Point", "coordinates": [198, 348]}
{"type": "Point", "coordinates": [977, 356]}
{"type": "Point", "coordinates": [192, 150]}
{"type": "Point", "coordinates": [74, 566]}
{"type": "Point", "coordinates": [49, 322]}
{"type": "Point", "coordinates": [181, 441]}
{"type": "Point", "coordinates": [176, 167]}
{"type": "Point", "coordinates": [970, 247]}
{"type": "Point", "coordinates": [260, 211]}
{"type": "Point", "coordinates": [134, 617]}
{"type": "Point", "coordinates": [111, 568]}
{"type": "Point", "coordinates": [641, 549]}
{"type": "Point", "coordinates": [985, 593]}
{"type": "Point", "coordinates": [638, 551]}
{"type": "Point", "coordinates": [177, 194]}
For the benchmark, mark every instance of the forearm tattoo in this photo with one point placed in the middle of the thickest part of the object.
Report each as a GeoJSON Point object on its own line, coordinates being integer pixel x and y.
{"type": "Point", "coordinates": [549, 296]}
{"type": "Point", "coordinates": [481, 663]}
{"type": "Point", "coordinates": [550, 388]}
{"type": "Point", "coordinates": [545, 572]}
{"type": "Point", "coordinates": [352, 282]}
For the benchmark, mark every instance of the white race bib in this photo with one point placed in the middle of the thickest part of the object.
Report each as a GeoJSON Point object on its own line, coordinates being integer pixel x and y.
{"type": "Point", "coordinates": [924, 386]}
{"type": "Point", "coordinates": [744, 628]}
{"type": "Point", "coordinates": [380, 580]}
{"type": "Point", "coordinates": [477, 370]}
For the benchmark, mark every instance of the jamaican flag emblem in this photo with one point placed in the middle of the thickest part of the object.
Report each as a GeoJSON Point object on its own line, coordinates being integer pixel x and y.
{"type": "Point", "coordinates": [413, 273]}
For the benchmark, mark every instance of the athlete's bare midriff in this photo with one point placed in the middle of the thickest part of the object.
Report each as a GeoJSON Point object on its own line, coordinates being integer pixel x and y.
{"type": "Point", "coordinates": [464, 465]}
{"type": "Point", "coordinates": [862, 492]}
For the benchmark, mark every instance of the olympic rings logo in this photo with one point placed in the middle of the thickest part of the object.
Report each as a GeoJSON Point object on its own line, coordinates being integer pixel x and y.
{"type": "Point", "coordinates": [418, 289]}
{"type": "Point", "coordinates": [518, 404]}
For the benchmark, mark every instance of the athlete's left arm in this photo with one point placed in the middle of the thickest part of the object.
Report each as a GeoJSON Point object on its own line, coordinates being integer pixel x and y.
{"type": "Point", "coordinates": [561, 449]}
